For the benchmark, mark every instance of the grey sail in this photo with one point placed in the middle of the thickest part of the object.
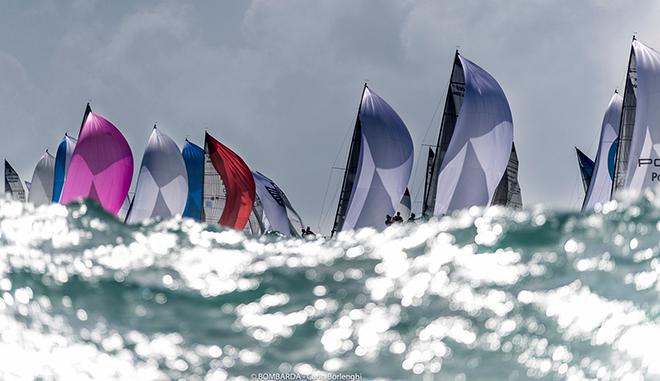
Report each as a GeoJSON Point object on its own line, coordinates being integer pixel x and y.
{"type": "Point", "coordinates": [430, 159]}
{"type": "Point", "coordinates": [453, 103]}
{"type": "Point", "coordinates": [162, 185]}
{"type": "Point", "coordinates": [41, 187]}
{"type": "Point", "coordinates": [639, 132]}
{"type": "Point", "coordinates": [508, 190]}
{"type": "Point", "coordinates": [13, 183]}
{"type": "Point", "coordinates": [379, 166]}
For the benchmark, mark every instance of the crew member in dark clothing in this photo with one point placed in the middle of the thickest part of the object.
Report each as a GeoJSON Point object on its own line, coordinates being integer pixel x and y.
{"type": "Point", "coordinates": [308, 233]}
{"type": "Point", "coordinates": [388, 220]}
{"type": "Point", "coordinates": [398, 217]}
{"type": "Point", "coordinates": [412, 217]}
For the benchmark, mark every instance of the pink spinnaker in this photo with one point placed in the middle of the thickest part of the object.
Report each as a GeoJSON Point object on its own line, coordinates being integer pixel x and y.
{"type": "Point", "coordinates": [101, 168]}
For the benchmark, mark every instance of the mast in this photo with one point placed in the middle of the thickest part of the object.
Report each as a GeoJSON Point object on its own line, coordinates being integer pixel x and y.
{"type": "Point", "coordinates": [428, 176]}
{"type": "Point", "coordinates": [626, 125]}
{"type": "Point", "coordinates": [349, 171]}
{"type": "Point", "coordinates": [453, 103]}
{"type": "Point", "coordinates": [88, 110]}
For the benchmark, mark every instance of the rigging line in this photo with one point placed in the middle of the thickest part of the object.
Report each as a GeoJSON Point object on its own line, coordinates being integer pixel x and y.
{"type": "Point", "coordinates": [325, 196]}
{"type": "Point", "coordinates": [426, 133]}
{"type": "Point", "coordinates": [336, 195]}
{"type": "Point", "coordinates": [334, 164]}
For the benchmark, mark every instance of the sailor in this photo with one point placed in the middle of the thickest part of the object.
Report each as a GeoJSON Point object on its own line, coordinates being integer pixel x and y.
{"type": "Point", "coordinates": [308, 233]}
{"type": "Point", "coordinates": [412, 217]}
{"type": "Point", "coordinates": [398, 217]}
{"type": "Point", "coordinates": [388, 220]}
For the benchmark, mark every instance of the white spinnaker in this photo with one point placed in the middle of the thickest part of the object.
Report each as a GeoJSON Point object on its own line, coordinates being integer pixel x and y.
{"type": "Point", "coordinates": [162, 185]}
{"type": "Point", "coordinates": [480, 146]}
{"type": "Point", "coordinates": [384, 165]}
{"type": "Point", "coordinates": [274, 205]}
{"type": "Point", "coordinates": [41, 186]}
{"type": "Point", "coordinates": [600, 187]}
{"type": "Point", "coordinates": [645, 143]}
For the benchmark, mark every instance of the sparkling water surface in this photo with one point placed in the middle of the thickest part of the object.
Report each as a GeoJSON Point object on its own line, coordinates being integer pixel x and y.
{"type": "Point", "coordinates": [486, 294]}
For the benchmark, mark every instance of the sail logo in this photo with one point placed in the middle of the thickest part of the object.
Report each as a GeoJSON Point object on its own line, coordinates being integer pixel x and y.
{"type": "Point", "coordinates": [655, 176]}
{"type": "Point", "coordinates": [276, 194]}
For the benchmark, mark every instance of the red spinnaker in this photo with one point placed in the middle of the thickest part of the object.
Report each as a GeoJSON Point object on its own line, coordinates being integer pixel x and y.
{"type": "Point", "coordinates": [238, 182]}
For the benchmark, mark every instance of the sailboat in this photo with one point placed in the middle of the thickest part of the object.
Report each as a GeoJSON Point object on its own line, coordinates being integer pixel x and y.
{"type": "Point", "coordinates": [101, 167]}
{"type": "Point", "coordinates": [228, 188]}
{"type": "Point", "coordinates": [600, 184]}
{"type": "Point", "coordinates": [162, 184]}
{"type": "Point", "coordinates": [62, 161]}
{"type": "Point", "coordinates": [41, 188]}
{"type": "Point", "coordinates": [275, 208]}
{"type": "Point", "coordinates": [193, 157]}
{"type": "Point", "coordinates": [637, 160]}
{"type": "Point", "coordinates": [378, 167]}
{"type": "Point", "coordinates": [13, 184]}
{"type": "Point", "coordinates": [474, 162]}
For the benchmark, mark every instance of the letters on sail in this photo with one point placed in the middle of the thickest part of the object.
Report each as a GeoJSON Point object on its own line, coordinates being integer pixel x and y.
{"type": "Point", "coordinates": [101, 167]}
{"type": "Point", "coordinates": [637, 163]}
{"type": "Point", "coordinates": [378, 168]}
{"type": "Point", "coordinates": [275, 207]}
{"type": "Point", "coordinates": [13, 184]}
{"type": "Point", "coordinates": [162, 185]}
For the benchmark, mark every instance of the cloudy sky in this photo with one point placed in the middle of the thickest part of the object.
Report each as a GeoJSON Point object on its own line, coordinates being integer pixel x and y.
{"type": "Point", "coordinates": [279, 81]}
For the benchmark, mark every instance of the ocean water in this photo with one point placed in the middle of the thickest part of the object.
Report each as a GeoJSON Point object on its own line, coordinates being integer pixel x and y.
{"type": "Point", "coordinates": [486, 294]}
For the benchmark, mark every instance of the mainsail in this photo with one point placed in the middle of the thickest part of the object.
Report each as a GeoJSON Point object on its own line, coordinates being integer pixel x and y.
{"type": "Point", "coordinates": [101, 167]}
{"type": "Point", "coordinates": [41, 189]}
{"type": "Point", "coordinates": [229, 188]}
{"type": "Point", "coordinates": [600, 186]}
{"type": "Point", "coordinates": [379, 166]}
{"type": "Point", "coordinates": [273, 203]}
{"type": "Point", "coordinates": [475, 142]}
{"type": "Point", "coordinates": [62, 161]}
{"type": "Point", "coordinates": [508, 190]}
{"type": "Point", "coordinates": [13, 184]}
{"type": "Point", "coordinates": [586, 166]}
{"type": "Point", "coordinates": [193, 156]}
{"type": "Point", "coordinates": [639, 130]}
{"type": "Point", "coordinates": [162, 185]}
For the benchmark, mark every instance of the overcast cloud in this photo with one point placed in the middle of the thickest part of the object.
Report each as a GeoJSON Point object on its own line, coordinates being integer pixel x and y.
{"type": "Point", "coordinates": [279, 81]}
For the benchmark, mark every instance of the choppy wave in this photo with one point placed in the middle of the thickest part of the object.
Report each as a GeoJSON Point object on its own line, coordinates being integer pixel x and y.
{"type": "Point", "coordinates": [487, 294]}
